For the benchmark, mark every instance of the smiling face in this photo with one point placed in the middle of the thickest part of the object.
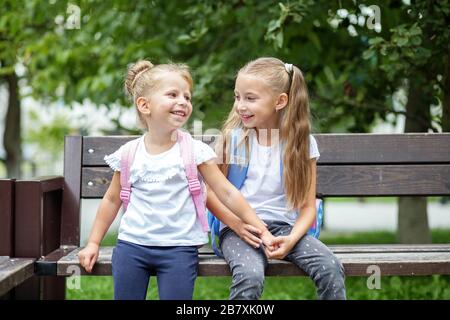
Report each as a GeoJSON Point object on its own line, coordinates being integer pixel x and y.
{"type": "Point", "coordinates": [256, 103]}
{"type": "Point", "coordinates": [168, 106]}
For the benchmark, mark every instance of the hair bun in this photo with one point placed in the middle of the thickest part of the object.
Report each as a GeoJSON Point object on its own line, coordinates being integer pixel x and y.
{"type": "Point", "coordinates": [134, 71]}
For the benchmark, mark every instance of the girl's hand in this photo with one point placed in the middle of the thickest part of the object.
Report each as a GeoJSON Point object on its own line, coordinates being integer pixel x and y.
{"type": "Point", "coordinates": [268, 241]}
{"type": "Point", "coordinates": [283, 245]}
{"type": "Point", "coordinates": [88, 256]}
{"type": "Point", "coordinates": [248, 233]}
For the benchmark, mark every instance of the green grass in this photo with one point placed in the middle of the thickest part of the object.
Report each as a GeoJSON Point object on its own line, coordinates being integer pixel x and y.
{"type": "Point", "coordinates": [276, 288]}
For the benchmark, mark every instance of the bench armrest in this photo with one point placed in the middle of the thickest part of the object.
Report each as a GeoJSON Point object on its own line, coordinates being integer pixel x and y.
{"type": "Point", "coordinates": [48, 183]}
{"type": "Point", "coordinates": [38, 216]}
{"type": "Point", "coordinates": [13, 272]}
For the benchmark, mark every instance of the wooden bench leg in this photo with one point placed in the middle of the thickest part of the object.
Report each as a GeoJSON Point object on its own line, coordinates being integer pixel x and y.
{"type": "Point", "coordinates": [6, 221]}
{"type": "Point", "coordinates": [37, 233]}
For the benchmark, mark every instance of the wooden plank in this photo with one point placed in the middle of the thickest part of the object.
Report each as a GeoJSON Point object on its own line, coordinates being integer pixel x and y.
{"type": "Point", "coordinates": [413, 260]}
{"type": "Point", "coordinates": [384, 148]}
{"type": "Point", "coordinates": [95, 148]}
{"type": "Point", "coordinates": [49, 183]}
{"type": "Point", "coordinates": [28, 220]}
{"type": "Point", "coordinates": [370, 248]}
{"type": "Point", "coordinates": [14, 271]}
{"type": "Point", "coordinates": [388, 180]}
{"type": "Point", "coordinates": [7, 217]}
{"type": "Point", "coordinates": [51, 224]}
{"type": "Point", "coordinates": [70, 216]}
{"type": "Point", "coordinates": [334, 181]}
{"type": "Point", "coordinates": [37, 232]}
{"type": "Point", "coordinates": [47, 266]}
{"type": "Point", "coordinates": [95, 181]}
{"type": "Point", "coordinates": [69, 264]}
{"type": "Point", "coordinates": [334, 148]}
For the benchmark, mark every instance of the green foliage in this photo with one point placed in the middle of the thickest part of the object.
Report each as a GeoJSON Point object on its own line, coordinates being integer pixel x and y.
{"type": "Point", "coordinates": [295, 11]}
{"type": "Point", "coordinates": [402, 53]}
{"type": "Point", "coordinates": [214, 37]}
{"type": "Point", "coordinates": [351, 78]}
{"type": "Point", "coordinates": [417, 49]}
{"type": "Point", "coordinates": [48, 136]}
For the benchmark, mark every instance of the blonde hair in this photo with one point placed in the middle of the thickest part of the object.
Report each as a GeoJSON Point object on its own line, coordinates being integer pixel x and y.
{"type": "Point", "coordinates": [142, 77]}
{"type": "Point", "coordinates": [294, 125]}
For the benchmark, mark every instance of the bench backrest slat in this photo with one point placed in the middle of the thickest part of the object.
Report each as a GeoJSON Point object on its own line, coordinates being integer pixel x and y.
{"type": "Point", "coordinates": [334, 148]}
{"type": "Point", "coordinates": [335, 181]}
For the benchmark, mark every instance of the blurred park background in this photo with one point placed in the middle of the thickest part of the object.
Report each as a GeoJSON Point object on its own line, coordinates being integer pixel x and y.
{"type": "Point", "coordinates": [370, 66]}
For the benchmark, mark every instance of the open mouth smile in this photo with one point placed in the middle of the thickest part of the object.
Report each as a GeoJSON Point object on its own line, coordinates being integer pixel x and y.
{"type": "Point", "coordinates": [245, 117]}
{"type": "Point", "coordinates": [179, 113]}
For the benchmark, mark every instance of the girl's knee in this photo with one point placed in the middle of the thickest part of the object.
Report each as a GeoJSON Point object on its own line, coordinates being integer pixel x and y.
{"type": "Point", "coordinates": [247, 286]}
{"type": "Point", "coordinates": [250, 277]}
{"type": "Point", "coordinates": [335, 269]}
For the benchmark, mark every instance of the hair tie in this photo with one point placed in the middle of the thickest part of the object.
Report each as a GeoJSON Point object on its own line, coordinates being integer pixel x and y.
{"type": "Point", "coordinates": [289, 67]}
{"type": "Point", "coordinates": [137, 76]}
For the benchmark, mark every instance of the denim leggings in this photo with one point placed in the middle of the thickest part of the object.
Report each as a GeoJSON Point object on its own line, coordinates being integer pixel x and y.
{"type": "Point", "coordinates": [175, 268]}
{"type": "Point", "coordinates": [247, 264]}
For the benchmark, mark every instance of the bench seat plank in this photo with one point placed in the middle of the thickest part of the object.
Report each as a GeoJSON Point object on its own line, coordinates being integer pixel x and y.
{"type": "Point", "coordinates": [364, 248]}
{"type": "Point", "coordinates": [14, 271]}
{"type": "Point", "coordinates": [392, 260]}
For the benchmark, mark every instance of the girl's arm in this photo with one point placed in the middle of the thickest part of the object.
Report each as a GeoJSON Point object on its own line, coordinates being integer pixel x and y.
{"type": "Point", "coordinates": [303, 222]}
{"type": "Point", "coordinates": [232, 198]}
{"type": "Point", "coordinates": [106, 213]}
{"type": "Point", "coordinates": [245, 231]}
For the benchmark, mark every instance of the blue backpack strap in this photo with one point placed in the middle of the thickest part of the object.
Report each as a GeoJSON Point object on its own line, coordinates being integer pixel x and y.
{"type": "Point", "coordinates": [238, 168]}
{"type": "Point", "coordinates": [214, 227]}
{"type": "Point", "coordinates": [314, 230]}
{"type": "Point", "coordinates": [237, 172]}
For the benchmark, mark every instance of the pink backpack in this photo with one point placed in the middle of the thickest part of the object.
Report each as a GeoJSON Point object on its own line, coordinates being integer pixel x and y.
{"type": "Point", "coordinates": [196, 187]}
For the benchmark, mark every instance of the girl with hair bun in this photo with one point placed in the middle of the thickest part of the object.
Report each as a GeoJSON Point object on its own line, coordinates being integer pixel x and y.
{"type": "Point", "coordinates": [159, 179]}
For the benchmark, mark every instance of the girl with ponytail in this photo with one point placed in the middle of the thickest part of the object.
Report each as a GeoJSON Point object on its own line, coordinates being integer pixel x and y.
{"type": "Point", "coordinates": [268, 152]}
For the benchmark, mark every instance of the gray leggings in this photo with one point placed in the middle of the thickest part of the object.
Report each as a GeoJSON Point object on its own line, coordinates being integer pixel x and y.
{"type": "Point", "coordinates": [247, 264]}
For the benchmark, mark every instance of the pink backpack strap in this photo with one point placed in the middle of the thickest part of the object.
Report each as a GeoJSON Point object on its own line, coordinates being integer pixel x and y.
{"type": "Point", "coordinates": [195, 188]}
{"type": "Point", "coordinates": [126, 161]}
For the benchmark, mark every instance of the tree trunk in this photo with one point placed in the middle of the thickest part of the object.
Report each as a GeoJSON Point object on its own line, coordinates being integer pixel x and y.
{"type": "Point", "coordinates": [412, 211]}
{"type": "Point", "coordinates": [12, 138]}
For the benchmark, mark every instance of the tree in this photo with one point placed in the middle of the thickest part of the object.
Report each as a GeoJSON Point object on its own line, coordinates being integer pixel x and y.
{"type": "Point", "coordinates": [417, 55]}
{"type": "Point", "coordinates": [13, 34]}
{"type": "Point", "coordinates": [353, 68]}
{"type": "Point", "coordinates": [73, 52]}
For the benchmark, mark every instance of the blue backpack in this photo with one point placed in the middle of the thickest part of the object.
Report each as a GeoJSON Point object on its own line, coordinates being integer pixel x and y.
{"type": "Point", "coordinates": [237, 173]}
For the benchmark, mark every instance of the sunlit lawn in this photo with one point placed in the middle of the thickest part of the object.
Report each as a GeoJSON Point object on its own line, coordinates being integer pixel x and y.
{"type": "Point", "coordinates": [419, 287]}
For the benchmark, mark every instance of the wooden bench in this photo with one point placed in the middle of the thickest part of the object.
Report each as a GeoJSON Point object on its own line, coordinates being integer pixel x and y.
{"type": "Point", "coordinates": [351, 165]}
{"type": "Point", "coordinates": [13, 271]}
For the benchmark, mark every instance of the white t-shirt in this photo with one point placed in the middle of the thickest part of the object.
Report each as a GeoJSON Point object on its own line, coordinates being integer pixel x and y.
{"type": "Point", "coordinates": [161, 211]}
{"type": "Point", "coordinates": [263, 188]}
